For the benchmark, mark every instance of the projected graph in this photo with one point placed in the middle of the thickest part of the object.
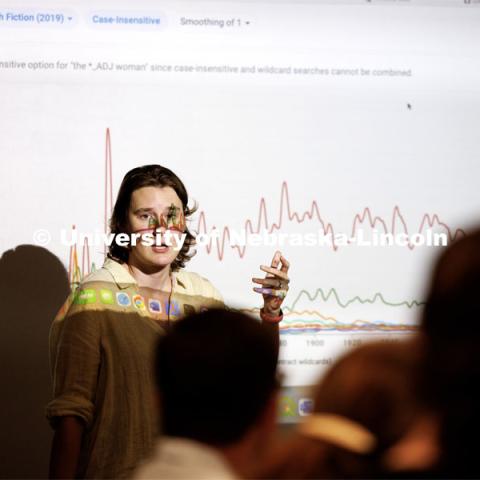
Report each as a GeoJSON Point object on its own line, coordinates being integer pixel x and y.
{"type": "Point", "coordinates": [284, 215]}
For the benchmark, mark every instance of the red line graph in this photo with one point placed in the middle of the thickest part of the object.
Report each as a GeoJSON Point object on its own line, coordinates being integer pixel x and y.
{"type": "Point", "coordinates": [427, 222]}
{"type": "Point", "coordinates": [261, 222]}
{"type": "Point", "coordinates": [286, 214]}
{"type": "Point", "coordinates": [108, 205]}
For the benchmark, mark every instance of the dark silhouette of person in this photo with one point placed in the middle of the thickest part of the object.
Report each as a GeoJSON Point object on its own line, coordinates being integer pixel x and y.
{"type": "Point", "coordinates": [451, 327]}
{"type": "Point", "coordinates": [33, 286]}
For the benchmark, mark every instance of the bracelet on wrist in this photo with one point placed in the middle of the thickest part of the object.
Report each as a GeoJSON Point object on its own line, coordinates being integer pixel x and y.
{"type": "Point", "coordinates": [269, 318]}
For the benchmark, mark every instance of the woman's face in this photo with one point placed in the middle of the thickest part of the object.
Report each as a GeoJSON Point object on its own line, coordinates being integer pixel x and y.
{"type": "Point", "coordinates": [154, 208]}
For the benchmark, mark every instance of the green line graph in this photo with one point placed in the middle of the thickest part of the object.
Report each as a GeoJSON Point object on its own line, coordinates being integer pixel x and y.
{"type": "Point", "coordinates": [333, 293]}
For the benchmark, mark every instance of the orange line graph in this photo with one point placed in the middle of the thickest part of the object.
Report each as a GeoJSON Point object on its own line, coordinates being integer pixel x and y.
{"type": "Point", "coordinates": [331, 323]}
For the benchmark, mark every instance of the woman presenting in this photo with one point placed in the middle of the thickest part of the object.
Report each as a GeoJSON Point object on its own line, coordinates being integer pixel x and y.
{"type": "Point", "coordinates": [102, 341]}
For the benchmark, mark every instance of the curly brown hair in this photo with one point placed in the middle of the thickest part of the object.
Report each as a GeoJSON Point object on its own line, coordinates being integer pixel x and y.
{"type": "Point", "coordinates": [148, 176]}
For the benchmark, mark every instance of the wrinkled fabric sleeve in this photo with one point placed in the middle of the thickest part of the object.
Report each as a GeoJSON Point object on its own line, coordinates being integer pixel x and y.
{"type": "Point", "coordinates": [75, 367]}
{"type": "Point", "coordinates": [217, 296]}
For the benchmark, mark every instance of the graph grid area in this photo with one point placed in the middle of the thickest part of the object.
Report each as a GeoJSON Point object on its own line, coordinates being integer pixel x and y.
{"type": "Point", "coordinates": [279, 126]}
